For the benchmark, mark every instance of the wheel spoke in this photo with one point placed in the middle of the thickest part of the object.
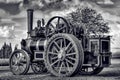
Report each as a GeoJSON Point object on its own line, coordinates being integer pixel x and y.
{"type": "Point", "coordinates": [68, 46]}
{"type": "Point", "coordinates": [61, 43]}
{"type": "Point", "coordinates": [21, 68]}
{"type": "Point", "coordinates": [14, 58]}
{"type": "Point", "coordinates": [58, 22]}
{"type": "Point", "coordinates": [70, 49]}
{"type": "Point", "coordinates": [63, 27]}
{"type": "Point", "coordinates": [18, 56]}
{"type": "Point", "coordinates": [68, 66]}
{"type": "Point", "coordinates": [72, 58]}
{"type": "Point", "coordinates": [16, 68]}
{"type": "Point", "coordinates": [58, 64]}
{"type": "Point", "coordinates": [56, 45]}
{"type": "Point", "coordinates": [55, 49]}
{"type": "Point", "coordinates": [54, 58]}
{"type": "Point", "coordinates": [64, 64]}
{"type": "Point", "coordinates": [71, 54]}
{"type": "Point", "coordinates": [21, 63]}
{"type": "Point", "coordinates": [64, 42]}
{"type": "Point", "coordinates": [52, 25]}
{"type": "Point", "coordinates": [69, 61]}
{"type": "Point", "coordinates": [54, 62]}
{"type": "Point", "coordinates": [53, 53]}
{"type": "Point", "coordinates": [50, 34]}
{"type": "Point", "coordinates": [60, 67]}
{"type": "Point", "coordinates": [14, 63]}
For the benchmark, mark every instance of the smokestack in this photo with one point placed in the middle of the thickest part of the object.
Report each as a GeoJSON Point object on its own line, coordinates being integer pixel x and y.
{"type": "Point", "coordinates": [30, 20]}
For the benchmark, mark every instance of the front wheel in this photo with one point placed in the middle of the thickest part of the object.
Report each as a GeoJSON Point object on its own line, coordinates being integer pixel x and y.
{"type": "Point", "coordinates": [19, 62]}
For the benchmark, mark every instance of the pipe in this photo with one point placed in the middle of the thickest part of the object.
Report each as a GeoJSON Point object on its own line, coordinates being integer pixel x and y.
{"type": "Point", "coordinates": [30, 20]}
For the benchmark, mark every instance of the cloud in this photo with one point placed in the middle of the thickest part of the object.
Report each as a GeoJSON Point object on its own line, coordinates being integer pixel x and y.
{"type": "Point", "coordinates": [108, 2]}
{"type": "Point", "coordinates": [6, 32]}
{"type": "Point", "coordinates": [110, 17]}
{"type": "Point", "coordinates": [10, 1]}
{"type": "Point", "coordinates": [2, 1]}
{"type": "Point", "coordinates": [105, 2]}
{"type": "Point", "coordinates": [3, 13]}
{"type": "Point", "coordinates": [22, 14]}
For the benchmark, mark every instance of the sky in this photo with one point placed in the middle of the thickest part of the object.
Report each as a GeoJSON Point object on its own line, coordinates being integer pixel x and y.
{"type": "Point", "coordinates": [13, 13]}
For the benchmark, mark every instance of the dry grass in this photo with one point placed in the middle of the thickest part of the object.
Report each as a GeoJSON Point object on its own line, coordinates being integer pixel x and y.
{"type": "Point", "coordinates": [4, 62]}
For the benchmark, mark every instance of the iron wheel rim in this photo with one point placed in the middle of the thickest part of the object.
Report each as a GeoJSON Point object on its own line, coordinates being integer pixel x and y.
{"type": "Point", "coordinates": [67, 61]}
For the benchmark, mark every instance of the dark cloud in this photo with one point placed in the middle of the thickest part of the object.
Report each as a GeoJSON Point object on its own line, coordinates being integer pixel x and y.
{"type": "Point", "coordinates": [11, 8]}
{"type": "Point", "coordinates": [14, 7]}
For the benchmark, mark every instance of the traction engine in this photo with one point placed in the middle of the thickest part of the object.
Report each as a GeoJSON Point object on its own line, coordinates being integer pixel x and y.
{"type": "Point", "coordinates": [61, 49]}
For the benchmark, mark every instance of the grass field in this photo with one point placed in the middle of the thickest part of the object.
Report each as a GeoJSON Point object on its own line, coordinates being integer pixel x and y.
{"type": "Point", "coordinates": [110, 73]}
{"type": "Point", "coordinates": [4, 62]}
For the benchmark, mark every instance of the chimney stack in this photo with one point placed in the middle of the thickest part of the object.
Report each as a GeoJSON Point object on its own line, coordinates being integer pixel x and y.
{"type": "Point", "coordinates": [30, 20]}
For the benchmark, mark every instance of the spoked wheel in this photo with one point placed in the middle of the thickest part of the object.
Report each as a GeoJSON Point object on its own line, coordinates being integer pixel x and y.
{"type": "Point", "coordinates": [56, 25]}
{"type": "Point", "coordinates": [63, 55]}
{"type": "Point", "coordinates": [91, 70]}
{"type": "Point", "coordinates": [19, 62]}
{"type": "Point", "coordinates": [38, 67]}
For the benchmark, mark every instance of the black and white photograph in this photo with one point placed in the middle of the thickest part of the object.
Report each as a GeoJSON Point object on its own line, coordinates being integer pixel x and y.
{"type": "Point", "coordinates": [59, 39]}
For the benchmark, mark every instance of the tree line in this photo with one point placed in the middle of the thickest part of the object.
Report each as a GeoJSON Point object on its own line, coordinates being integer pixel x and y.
{"type": "Point", "coordinates": [5, 50]}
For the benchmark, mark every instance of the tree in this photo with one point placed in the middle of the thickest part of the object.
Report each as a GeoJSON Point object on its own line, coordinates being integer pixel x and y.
{"type": "Point", "coordinates": [25, 1]}
{"type": "Point", "coordinates": [89, 20]}
{"type": "Point", "coordinates": [5, 51]}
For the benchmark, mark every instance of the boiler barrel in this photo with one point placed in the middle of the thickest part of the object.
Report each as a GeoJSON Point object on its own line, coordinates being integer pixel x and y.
{"type": "Point", "coordinates": [36, 45]}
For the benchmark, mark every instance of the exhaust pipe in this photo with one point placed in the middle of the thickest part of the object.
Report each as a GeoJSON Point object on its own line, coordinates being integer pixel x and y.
{"type": "Point", "coordinates": [30, 21]}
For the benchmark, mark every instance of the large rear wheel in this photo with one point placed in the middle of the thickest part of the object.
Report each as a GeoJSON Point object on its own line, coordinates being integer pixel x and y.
{"type": "Point", "coordinates": [63, 55]}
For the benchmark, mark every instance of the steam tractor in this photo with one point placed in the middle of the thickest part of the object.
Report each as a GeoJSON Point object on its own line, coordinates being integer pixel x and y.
{"type": "Point", "coordinates": [60, 49]}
